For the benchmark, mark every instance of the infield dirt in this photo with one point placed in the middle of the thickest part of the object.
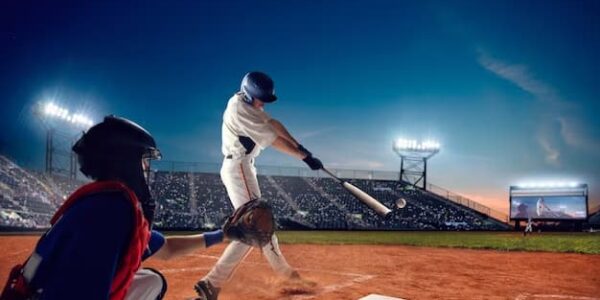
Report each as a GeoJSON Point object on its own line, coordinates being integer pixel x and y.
{"type": "Point", "coordinates": [354, 271]}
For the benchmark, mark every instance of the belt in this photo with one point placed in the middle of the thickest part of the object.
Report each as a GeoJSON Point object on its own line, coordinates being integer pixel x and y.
{"type": "Point", "coordinates": [230, 156]}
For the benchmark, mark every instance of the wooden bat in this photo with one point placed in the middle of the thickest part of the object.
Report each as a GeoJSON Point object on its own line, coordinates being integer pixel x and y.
{"type": "Point", "coordinates": [365, 198]}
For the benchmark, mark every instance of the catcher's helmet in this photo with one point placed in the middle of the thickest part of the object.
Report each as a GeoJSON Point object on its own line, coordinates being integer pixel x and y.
{"type": "Point", "coordinates": [258, 85]}
{"type": "Point", "coordinates": [115, 140]}
{"type": "Point", "coordinates": [113, 150]}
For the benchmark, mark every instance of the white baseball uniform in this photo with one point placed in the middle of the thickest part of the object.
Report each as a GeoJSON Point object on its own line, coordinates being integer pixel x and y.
{"type": "Point", "coordinates": [147, 284]}
{"type": "Point", "coordinates": [245, 132]}
{"type": "Point", "coordinates": [529, 227]}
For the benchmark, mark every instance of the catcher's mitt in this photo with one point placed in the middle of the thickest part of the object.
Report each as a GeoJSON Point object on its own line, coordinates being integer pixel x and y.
{"type": "Point", "coordinates": [251, 224]}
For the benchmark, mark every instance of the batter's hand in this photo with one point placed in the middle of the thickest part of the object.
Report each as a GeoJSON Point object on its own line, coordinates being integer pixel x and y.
{"type": "Point", "coordinates": [313, 163]}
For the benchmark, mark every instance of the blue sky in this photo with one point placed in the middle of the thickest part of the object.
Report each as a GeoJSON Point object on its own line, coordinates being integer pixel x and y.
{"type": "Point", "coordinates": [510, 88]}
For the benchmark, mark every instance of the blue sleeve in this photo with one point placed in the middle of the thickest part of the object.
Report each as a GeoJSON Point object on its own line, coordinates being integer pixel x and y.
{"type": "Point", "coordinates": [88, 242]}
{"type": "Point", "coordinates": [157, 240]}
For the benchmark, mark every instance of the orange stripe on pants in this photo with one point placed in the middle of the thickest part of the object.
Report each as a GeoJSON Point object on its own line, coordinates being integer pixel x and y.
{"type": "Point", "coordinates": [245, 182]}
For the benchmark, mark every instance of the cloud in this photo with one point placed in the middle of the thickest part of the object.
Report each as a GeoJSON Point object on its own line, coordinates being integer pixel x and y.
{"type": "Point", "coordinates": [310, 134]}
{"type": "Point", "coordinates": [519, 75]}
{"type": "Point", "coordinates": [358, 164]}
{"type": "Point", "coordinates": [574, 134]}
{"type": "Point", "coordinates": [552, 153]}
{"type": "Point", "coordinates": [569, 129]}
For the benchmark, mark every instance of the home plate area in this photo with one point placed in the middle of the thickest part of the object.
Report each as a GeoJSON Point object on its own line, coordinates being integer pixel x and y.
{"type": "Point", "coordinates": [351, 272]}
{"type": "Point", "coordinates": [379, 297]}
{"type": "Point", "coordinates": [255, 280]}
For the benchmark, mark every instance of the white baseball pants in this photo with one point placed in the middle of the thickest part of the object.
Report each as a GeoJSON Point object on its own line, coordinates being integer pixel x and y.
{"type": "Point", "coordinates": [147, 284]}
{"type": "Point", "coordinates": [239, 178]}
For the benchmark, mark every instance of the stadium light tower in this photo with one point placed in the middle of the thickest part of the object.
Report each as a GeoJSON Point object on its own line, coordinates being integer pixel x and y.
{"type": "Point", "coordinates": [55, 117]}
{"type": "Point", "coordinates": [413, 159]}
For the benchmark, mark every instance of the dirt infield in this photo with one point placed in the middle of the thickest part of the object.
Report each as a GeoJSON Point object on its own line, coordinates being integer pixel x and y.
{"type": "Point", "coordinates": [354, 271]}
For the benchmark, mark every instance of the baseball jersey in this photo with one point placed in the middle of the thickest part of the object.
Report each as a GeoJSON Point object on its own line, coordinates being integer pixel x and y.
{"type": "Point", "coordinates": [245, 127]}
{"type": "Point", "coordinates": [82, 252]}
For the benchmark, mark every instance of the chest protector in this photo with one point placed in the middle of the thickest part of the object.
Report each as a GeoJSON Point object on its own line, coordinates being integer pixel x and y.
{"type": "Point", "coordinates": [17, 286]}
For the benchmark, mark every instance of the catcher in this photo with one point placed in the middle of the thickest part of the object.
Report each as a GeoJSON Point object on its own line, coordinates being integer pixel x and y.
{"type": "Point", "coordinates": [247, 129]}
{"type": "Point", "coordinates": [102, 232]}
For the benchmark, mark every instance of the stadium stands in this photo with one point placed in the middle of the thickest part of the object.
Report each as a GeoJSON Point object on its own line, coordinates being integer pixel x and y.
{"type": "Point", "coordinates": [26, 200]}
{"type": "Point", "coordinates": [195, 200]}
{"type": "Point", "coordinates": [306, 202]}
{"type": "Point", "coordinates": [593, 221]}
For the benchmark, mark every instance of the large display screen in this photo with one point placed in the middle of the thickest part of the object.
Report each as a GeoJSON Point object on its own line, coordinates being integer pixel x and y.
{"type": "Point", "coordinates": [548, 207]}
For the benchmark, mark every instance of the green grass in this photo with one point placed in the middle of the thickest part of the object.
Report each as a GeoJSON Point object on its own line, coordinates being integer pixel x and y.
{"type": "Point", "coordinates": [587, 243]}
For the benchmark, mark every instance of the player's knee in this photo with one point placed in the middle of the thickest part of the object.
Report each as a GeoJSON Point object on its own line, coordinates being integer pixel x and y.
{"type": "Point", "coordinates": [158, 282]}
{"type": "Point", "coordinates": [148, 284]}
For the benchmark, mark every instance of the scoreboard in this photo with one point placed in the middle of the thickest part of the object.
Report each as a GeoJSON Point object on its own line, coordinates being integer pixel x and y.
{"type": "Point", "coordinates": [549, 202]}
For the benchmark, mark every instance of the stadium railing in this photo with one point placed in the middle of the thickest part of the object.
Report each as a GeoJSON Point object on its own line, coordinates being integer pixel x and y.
{"type": "Point", "coordinates": [594, 210]}
{"type": "Point", "coordinates": [462, 200]}
{"type": "Point", "coordinates": [180, 166]}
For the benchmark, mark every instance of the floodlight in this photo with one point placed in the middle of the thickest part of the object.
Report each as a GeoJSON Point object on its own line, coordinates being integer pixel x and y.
{"type": "Point", "coordinates": [52, 110]}
{"type": "Point", "coordinates": [548, 184]}
{"type": "Point", "coordinates": [428, 146]}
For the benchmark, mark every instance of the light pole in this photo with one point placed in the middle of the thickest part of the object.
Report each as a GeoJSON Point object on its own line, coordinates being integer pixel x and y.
{"type": "Point", "coordinates": [56, 117]}
{"type": "Point", "coordinates": [413, 159]}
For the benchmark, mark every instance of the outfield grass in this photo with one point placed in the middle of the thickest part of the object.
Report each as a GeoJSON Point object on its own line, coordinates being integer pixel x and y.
{"type": "Point", "coordinates": [587, 243]}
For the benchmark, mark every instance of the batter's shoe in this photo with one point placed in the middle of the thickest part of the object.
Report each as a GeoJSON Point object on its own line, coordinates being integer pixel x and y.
{"type": "Point", "coordinates": [206, 291]}
{"type": "Point", "coordinates": [295, 278]}
{"type": "Point", "coordinates": [294, 275]}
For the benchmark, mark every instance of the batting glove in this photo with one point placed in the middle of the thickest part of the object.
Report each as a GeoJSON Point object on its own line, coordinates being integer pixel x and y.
{"type": "Point", "coordinates": [313, 163]}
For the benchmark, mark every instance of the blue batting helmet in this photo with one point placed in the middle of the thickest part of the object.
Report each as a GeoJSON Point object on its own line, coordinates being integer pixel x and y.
{"type": "Point", "coordinates": [258, 85]}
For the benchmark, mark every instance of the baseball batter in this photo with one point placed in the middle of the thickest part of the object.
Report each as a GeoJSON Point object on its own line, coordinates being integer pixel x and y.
{"type": "Point", "coordinates": [542, 209]}
{"type": "Point", "coordinates": [246, 130]}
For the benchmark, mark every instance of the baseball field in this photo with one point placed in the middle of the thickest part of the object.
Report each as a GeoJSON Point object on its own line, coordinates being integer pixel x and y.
{"type": "Point", "coordinates": [405, 265]}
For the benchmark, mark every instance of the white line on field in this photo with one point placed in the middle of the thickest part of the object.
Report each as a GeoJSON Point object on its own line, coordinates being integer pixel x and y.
{"type": "Point", "coordinates": [544, 296]}
{"type": "Point", "coordinates": [334, 287]}
{"type": "Point", "coordinates": [358, 278]}
{"type": "Point", "coordinates": [181, 270]}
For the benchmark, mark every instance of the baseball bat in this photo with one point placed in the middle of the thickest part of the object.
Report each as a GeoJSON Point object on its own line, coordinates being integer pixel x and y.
{"type": "Point", "coordinates": [365, 198]}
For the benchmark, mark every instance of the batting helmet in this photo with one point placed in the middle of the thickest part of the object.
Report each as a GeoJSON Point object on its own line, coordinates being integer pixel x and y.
{"type": "Point", "coordinates": [258, 85]}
